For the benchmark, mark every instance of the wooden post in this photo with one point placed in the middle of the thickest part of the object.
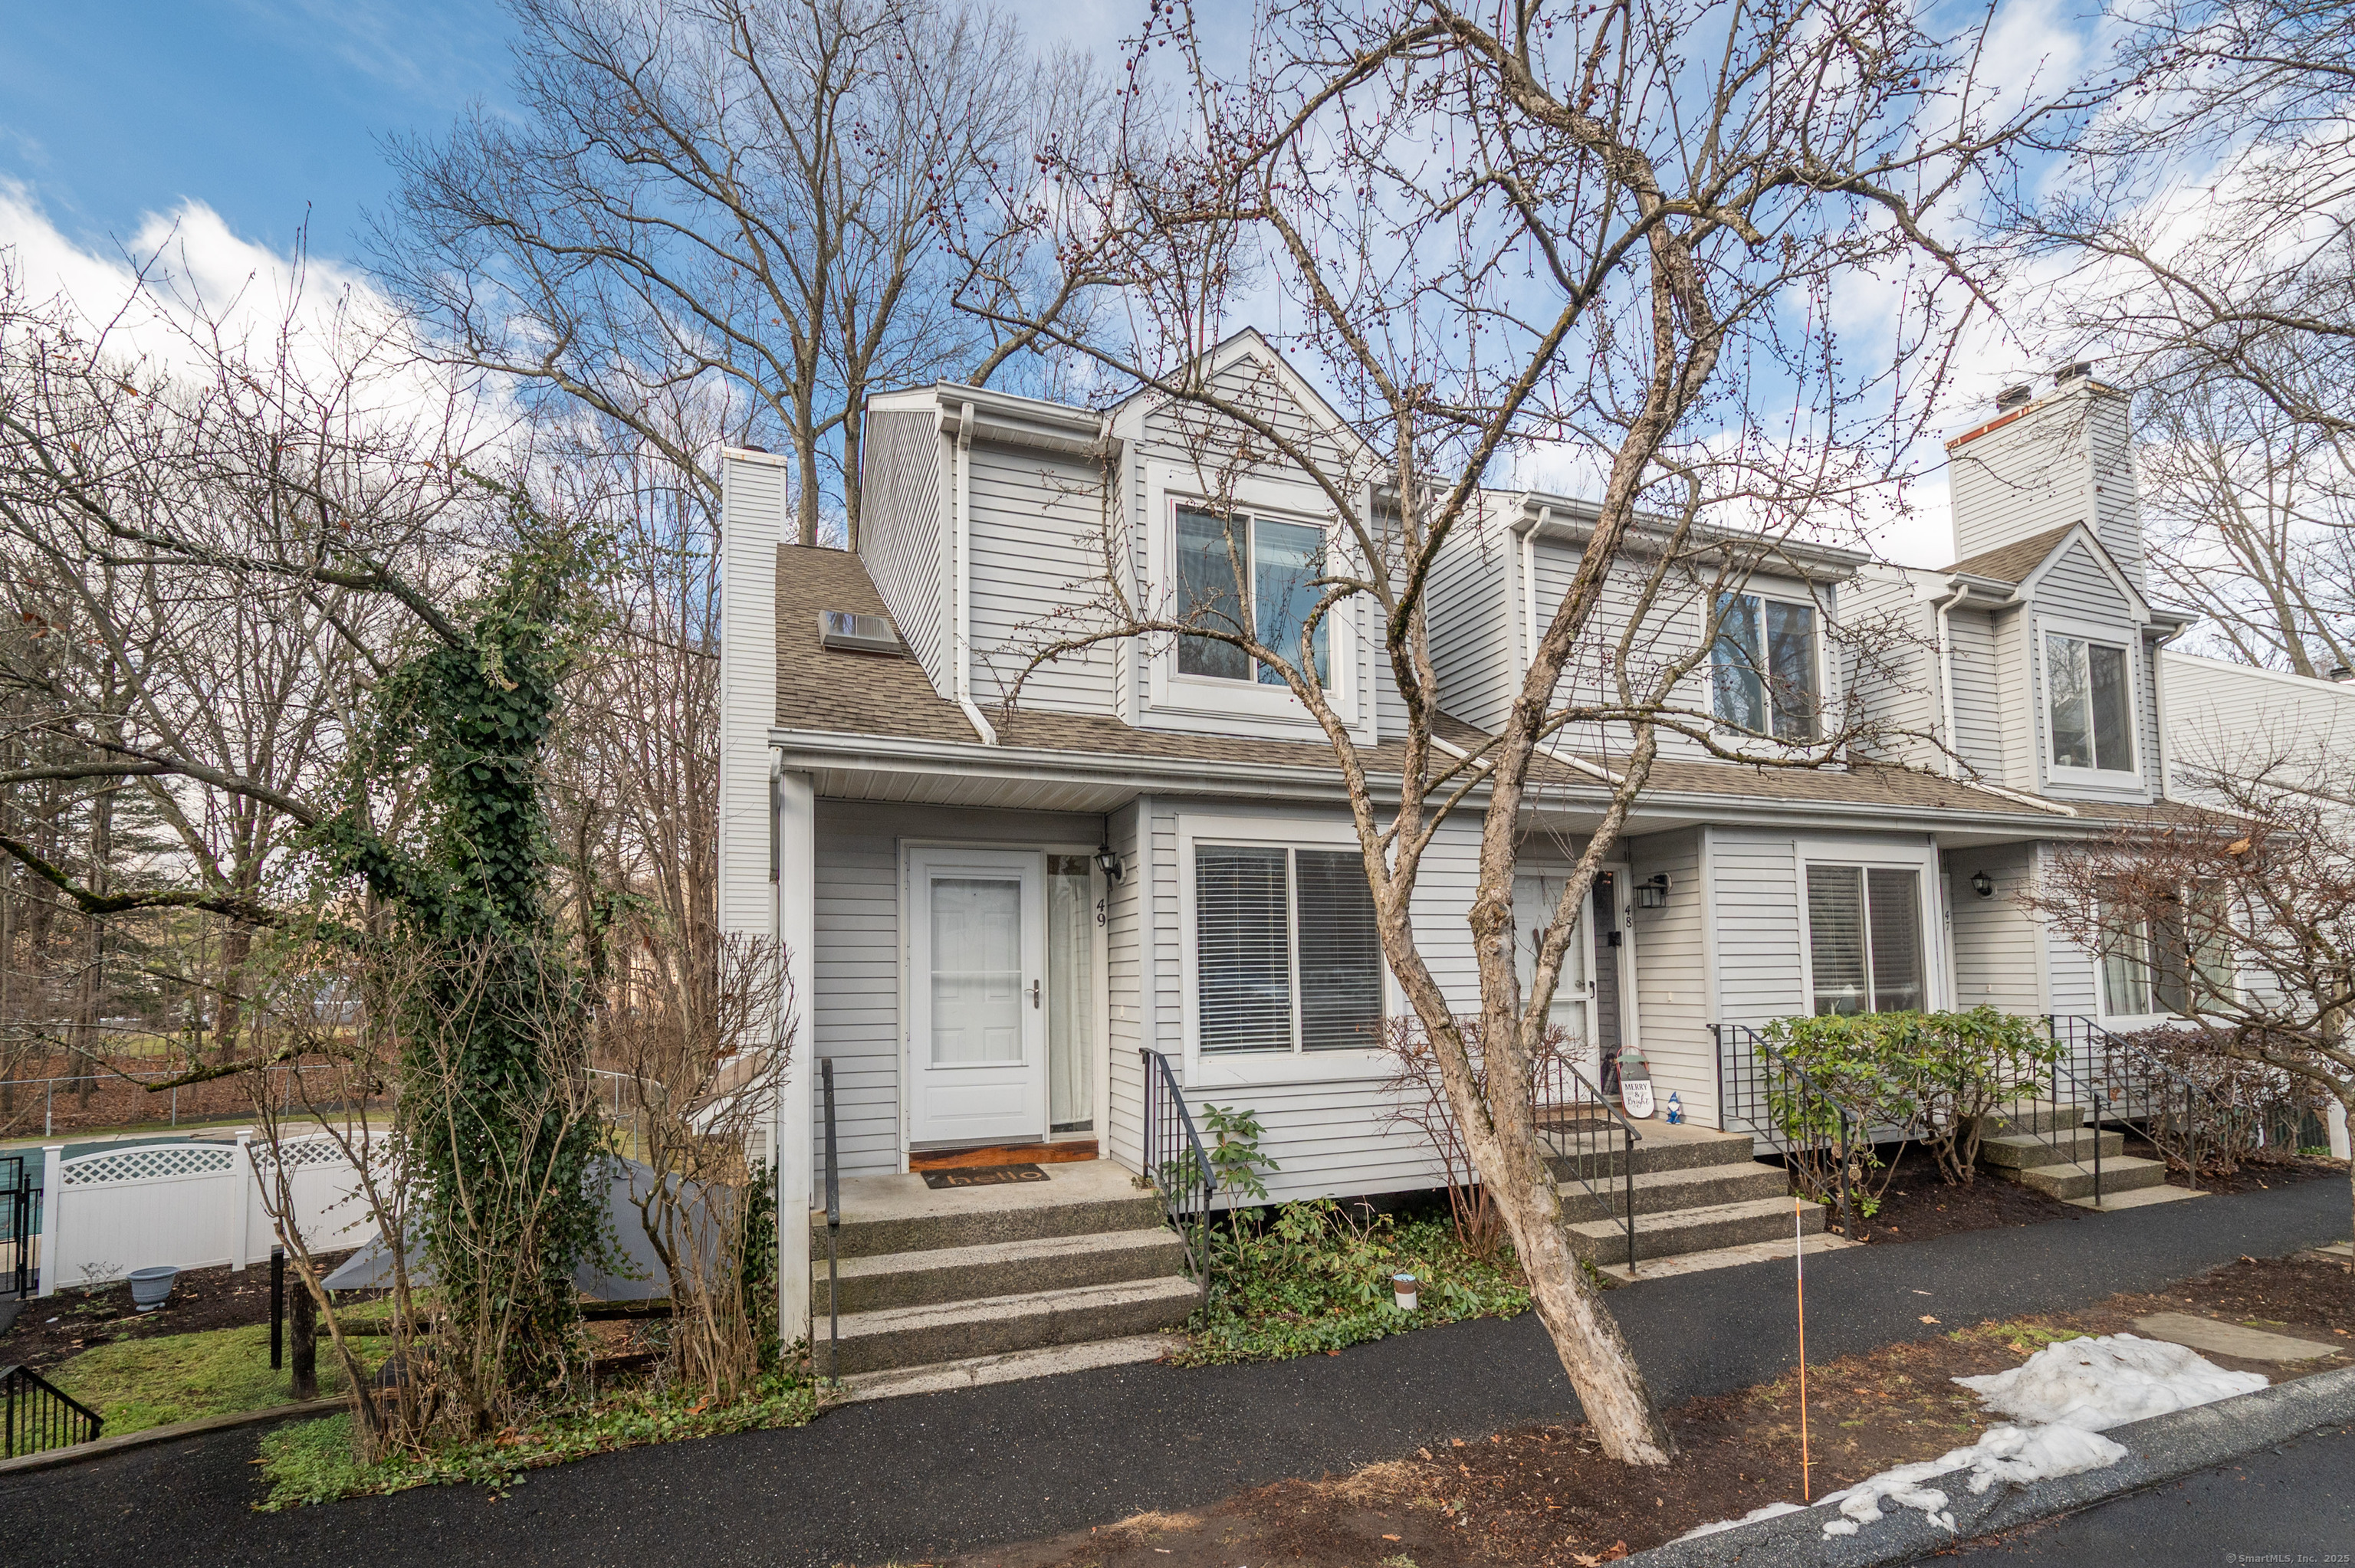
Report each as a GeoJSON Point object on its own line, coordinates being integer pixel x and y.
{"type": "Point", "coordinates": [305, 1346]}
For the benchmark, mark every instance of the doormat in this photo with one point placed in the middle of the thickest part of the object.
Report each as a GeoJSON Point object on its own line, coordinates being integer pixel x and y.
{"type": "Point", "coordinates": [981, 1176]}
{"type": "Point", "coordinates": [1032, 1153]}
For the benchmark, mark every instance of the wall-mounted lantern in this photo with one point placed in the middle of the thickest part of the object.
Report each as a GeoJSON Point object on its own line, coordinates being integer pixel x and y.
{"type": "Point", "coordinates": [1983, 885]}
{"type": "Point", "coordinates": [1652, 892]}
{"type": "Point", "coordinates": [1108, 861]}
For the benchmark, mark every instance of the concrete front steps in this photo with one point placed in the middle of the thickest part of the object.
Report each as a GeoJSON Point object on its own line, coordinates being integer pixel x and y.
{"type": "Point", "coordinates": [929, 1278]}
{"type": "Point", "coordinates": [1694, 1189]}
{"type": "Point", "coordinates": [2048, 1149]}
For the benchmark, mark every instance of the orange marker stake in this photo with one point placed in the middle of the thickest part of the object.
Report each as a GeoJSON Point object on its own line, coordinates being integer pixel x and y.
{"type": "Point", "coordinates": [1799, 1258]}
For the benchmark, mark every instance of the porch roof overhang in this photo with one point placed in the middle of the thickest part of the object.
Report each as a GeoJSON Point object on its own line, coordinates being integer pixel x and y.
{"type": "Point", "coordinates": [909, 770]}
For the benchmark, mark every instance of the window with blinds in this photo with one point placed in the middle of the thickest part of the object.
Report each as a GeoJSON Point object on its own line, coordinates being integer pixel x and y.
{"type": "Point", "coordinates": [1287, 954]}
{"type": "Point", "coordinates": [1864, 939]}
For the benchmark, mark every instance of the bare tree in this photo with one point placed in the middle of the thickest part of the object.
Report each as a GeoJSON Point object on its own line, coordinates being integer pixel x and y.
{"type": "Point", "coordinates": [2242, 917]}
{"type": "Point", "coordinates": [740, 202]}
{"type": "Point", "coordinates": [1612, 237]}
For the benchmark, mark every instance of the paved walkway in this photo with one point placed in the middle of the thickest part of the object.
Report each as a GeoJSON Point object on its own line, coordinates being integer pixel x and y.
{"type": "Point", "coordinates": [2291, 1504]}
{"type": "Point", "coordinates": [910, 1478]}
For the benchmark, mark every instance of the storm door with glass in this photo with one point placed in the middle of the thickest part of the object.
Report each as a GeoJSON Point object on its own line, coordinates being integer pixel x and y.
{"type": "Point", "coordinates": [977, 1054]}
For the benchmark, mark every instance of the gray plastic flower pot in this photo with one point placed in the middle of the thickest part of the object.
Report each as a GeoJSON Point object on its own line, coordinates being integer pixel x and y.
{"type": "Point", "coordinates": [151, 1287]}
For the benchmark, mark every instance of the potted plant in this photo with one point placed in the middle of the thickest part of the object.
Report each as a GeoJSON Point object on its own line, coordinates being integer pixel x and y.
{"type": "Point", "coordinates": [151, 1287]}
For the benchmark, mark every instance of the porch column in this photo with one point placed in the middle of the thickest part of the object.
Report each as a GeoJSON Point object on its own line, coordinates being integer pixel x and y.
{"type": "Point", "coordinates": [796, 819]}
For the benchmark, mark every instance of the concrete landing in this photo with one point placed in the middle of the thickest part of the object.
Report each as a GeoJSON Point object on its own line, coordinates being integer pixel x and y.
{"type": "Point", "coordinates": [1726, 1257]}
{"type": "Point", "coordinates": [2230, 1339]}
{"type": "Point", "coordinates": [978, 1370]}
{"type": "Point", "coordinates": [2136, 1199]}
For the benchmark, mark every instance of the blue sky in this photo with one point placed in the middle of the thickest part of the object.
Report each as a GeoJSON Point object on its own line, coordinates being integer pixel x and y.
{"type": "Point", "coordinates": [113, 109]}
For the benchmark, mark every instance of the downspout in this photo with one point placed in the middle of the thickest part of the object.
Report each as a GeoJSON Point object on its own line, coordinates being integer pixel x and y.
{"type": "Point", "coordinates": [1946, 676]}
{"type": "Point", "coordinates": [2159, 706]}
{"type": "Point", "coordinates": [962, 583]}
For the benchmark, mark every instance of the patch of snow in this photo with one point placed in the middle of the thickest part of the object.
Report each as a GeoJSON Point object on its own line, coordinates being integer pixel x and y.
{"type": "Point", "coordinates": [2098, 1383]}
{"type": "Point", "coordinates": [1752, 1517]}
{"type": "Point", "coordinates": [2067, 1393]}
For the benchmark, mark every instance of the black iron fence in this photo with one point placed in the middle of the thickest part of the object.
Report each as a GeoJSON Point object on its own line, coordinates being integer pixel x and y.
{"type": "Point", "coordinates": [20, 1224]}
{"type": "Point", "coordinates": [39, 1416]}
{"type": "Point", "coordinates": [1772, 1097]}
{"type": "Point", "coordinates": [1587, 1137]}
{"type": "Point", "coordinates": [1178, 1165]}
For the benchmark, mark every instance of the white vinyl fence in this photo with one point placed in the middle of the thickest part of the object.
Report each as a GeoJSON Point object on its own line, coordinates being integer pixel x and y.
{"type": "Point", "coordinates": [191, 1205]}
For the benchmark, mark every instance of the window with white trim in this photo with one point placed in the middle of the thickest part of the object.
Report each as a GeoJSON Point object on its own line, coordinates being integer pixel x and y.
{"type": "Point", "coordinates": [1864, 939]}
{"type": "Point", "coordinates": [2168, 958]}
{"type": "Point", "coordinates": [2089, 701]}
{"type": "Point", "coordinates": [1287, 954]}
{"type": "Point", "coordinates": [1763, 667]}
{"type": "Point", "coordinates": [1248, 575]}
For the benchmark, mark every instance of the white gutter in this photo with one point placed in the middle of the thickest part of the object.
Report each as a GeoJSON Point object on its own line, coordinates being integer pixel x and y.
{"type": "Point", "coordinates": [1946, 676]}
{"type": "Point", "coordinates": [960, 674]}
{"type": "Point", "coordinates": [2158, 706]}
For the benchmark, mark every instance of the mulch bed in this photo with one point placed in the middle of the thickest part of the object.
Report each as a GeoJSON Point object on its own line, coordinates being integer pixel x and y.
{"type": "Point", "coordinates": [1544, 1496]}
{"type": "Point", "coordinates": [1918, 1206]}
{"type": "Point", "coordinates": [201, 1298]}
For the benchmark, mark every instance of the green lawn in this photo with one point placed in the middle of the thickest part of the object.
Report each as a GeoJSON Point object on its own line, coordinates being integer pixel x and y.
{"type": "Point", "coordinates": [137, 1384]}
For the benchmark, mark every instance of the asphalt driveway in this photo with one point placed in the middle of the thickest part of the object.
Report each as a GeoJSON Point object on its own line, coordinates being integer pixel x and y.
{"type": "Point", "coordinates": [909, 1478]}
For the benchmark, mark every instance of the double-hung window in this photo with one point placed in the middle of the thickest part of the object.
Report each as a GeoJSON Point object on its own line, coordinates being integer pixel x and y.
{"type": "Point", "coordinates": [1249, 575]}
{"type": "Point", "coordinates": [1763, 667]}
{"type": "Point", "coordinates": [2089, 699]}
{"type": "Point", "coordinates": [1864, 939]}
{"type": "Point", "coordinates": [1287, 954]}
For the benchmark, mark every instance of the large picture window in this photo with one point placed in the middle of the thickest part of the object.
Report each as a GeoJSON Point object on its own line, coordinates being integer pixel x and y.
{"type": "Point", "coordinates": [1763, 667]}
{"type": "Point", "coordinates": [1864, 939]}
{"type": "Point", "coordinates": [2090, 700]}
{"type": "Point", "coordinates": [1287, 954]}
{"type": "Point", "coordinates": [1247, 575]}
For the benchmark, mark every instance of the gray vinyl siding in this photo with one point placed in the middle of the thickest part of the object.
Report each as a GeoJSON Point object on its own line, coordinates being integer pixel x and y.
{"type": "Point", "coordinates": [2017, 694]}
{"type": "Point", "coordinates": [901, 539]}
{"type": "Point", "coordinates": [1672, 974]}
{"type": "Point", "coordinates": [1125, 984]}
{"type": "Point", "coordinates": [2026, 478]}
{"type": "Point", "coordinates": [1036, 523]}
{"type": "Point", "coordinates": [1891, 667]}
{"type": "Point", "coordinates": [1473, 613]}
{"type": "Point", "coordinates": [1996, 939]}
{"type": "Point", "coordinates": [2073, 976]}
{"type": "Point", "coordinates": [1671, 625]}
{"type": "Point", "coordinates": [1760, 973]}
{"type": "Point", "coordinates": [856, 1019]}
{"type": "Point", "coordinates": [1973, 661]}
{"type": "Point", "coordinates": [2221, 716]}
{"type": "Point", "coordinates": [2117, 518]}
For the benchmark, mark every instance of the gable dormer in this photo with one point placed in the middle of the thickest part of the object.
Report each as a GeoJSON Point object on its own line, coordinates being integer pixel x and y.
{"type": "Point", "coordinates": [1199, 492]}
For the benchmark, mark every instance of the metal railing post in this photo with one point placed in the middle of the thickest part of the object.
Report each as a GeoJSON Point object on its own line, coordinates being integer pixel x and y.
{"type": "Point", "coordinates": [833, 1228]}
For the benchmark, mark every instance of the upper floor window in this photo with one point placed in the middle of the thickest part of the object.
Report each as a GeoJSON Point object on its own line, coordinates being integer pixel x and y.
{"type": "Point", "coordinates": [1248, 575]}
{"type": "Point", "coordinates": [2091, 698]}
{"type": "Point", "coordinates": [1763, 667]}
{"type": "Point", "coordinates": [1287, 956]}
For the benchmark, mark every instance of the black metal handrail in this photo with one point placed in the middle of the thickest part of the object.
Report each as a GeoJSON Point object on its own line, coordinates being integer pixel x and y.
{"type": "Point", "coordinates": [1578, 1124]}
{"type": "Point", "coordinates": [1746, 1095]}
{"type": "Point", "coordinates": [1176, 1164]}
{"type": "Point", "coordinates": [833, 1222]}
{"type": "Point", "coordinates": [2068, 1093]}
{"type": "Point", "coordinates": [40, 1415]}
{"type": "Point", "coordinates": [2142, 1088]}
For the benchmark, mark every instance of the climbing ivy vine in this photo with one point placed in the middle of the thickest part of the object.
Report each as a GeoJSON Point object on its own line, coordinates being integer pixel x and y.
{"type": "Point", "coordinates": [493, 1118]}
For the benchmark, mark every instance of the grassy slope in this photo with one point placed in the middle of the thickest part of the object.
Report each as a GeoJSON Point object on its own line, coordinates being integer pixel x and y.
{"type": "Point", "coordinates": [138, 1384]}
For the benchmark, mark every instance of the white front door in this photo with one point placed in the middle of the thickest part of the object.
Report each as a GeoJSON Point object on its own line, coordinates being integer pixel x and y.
{"type": "Point", "coordinates": [1535, 898]}
{"type": "Point", "coordinates": [978, 1032]}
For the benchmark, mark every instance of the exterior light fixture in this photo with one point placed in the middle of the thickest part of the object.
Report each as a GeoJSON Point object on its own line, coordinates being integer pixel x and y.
{"type": "Point", "coordinates": [1108, 861]}
{"type": "Point", "coordinates": [1653, 892]}
{"type": "Point", "coordinates": [1983, 885]}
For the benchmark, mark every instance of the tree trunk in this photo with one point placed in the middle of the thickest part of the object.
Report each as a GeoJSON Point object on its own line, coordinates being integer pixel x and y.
{"type": "Point", "coordinates": [853, 445]}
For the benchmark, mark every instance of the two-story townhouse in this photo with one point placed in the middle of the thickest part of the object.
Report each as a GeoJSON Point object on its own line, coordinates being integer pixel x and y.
{"type": "Point", "coordinates": [1024, 930]}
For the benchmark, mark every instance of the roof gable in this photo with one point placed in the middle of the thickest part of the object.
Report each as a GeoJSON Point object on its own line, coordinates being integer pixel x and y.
{"type": "Point", "coordinates": [2024, 563]}
{"type": "Point", "coordinates": [1249, 347]}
